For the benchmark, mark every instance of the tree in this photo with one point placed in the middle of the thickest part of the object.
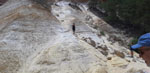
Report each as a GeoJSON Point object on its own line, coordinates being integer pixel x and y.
{"type": "Point", "coordinates": [133, 12]}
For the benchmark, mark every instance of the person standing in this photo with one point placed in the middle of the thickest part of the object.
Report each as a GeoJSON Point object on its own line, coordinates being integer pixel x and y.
{"type": "Point", "coordinates": [143, 48]}
{"type": "Point", "coordinates": [73, 28]}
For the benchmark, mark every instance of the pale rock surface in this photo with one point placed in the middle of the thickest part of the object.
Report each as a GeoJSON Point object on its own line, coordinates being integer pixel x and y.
{"type": "Point", "coordinates": [35, 40]}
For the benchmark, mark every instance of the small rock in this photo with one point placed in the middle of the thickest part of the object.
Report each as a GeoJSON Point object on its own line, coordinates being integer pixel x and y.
{"type": "Point", "coordinates": [57, 15]}
{"type": "Point", "coordinates": [103, 48]}
{"type": "Point", "coordinates": [104, 53]}
{"type": "Point", "coordinates": [92, 42]}
{"type": "Point", "coordinates": [109, 58]}
{"type": "Point", "coordinates": [62, 20]}
{"type": "Point", "coordinates": [120, 54]}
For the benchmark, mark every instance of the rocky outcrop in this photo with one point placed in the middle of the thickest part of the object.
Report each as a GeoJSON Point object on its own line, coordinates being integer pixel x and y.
{"type": "Point", "coordinates": [34, 39]}
{"type": "Point", "coordinates": [22, 32]}
{"type": "Point", "coordinates": [65, 59]}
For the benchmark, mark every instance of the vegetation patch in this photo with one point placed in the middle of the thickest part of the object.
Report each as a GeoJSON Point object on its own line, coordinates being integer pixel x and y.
{"type": "Point", "coordinates": [133, 14]}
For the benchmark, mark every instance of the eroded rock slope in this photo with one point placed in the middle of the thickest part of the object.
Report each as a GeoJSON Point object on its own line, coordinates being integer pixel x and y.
{"type": "Point", "coordinates": [34, 39]}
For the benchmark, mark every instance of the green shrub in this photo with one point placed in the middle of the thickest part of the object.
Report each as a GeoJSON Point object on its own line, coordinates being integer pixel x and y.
{"type": "Point", "coordinates": [102, 33]}
{"type": "Point", "coordinates": [133, 41]}
{"type": "Point", "coordinates": [133, 13]}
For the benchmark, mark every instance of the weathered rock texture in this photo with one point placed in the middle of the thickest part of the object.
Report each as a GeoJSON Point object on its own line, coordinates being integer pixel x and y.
{"type": "Point", "coordinates": [36, 40]}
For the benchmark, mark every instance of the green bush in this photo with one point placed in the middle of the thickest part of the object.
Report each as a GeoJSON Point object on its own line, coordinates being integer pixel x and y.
{"type": "Point", "coordinates": [135, 13]}
{"type": "Point", "coordinates": [133, 41]}
{"type": "Point", "coordinates": [102, 33]}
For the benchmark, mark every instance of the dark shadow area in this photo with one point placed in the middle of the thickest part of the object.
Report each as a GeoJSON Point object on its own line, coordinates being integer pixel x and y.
{"type": "Point", "coordinates": [2, 2]}
{"type": "Point", "coordinates": [125, 26]}
{"type": "Point", "coordinates": [74, 6]}
{"type": "Point", "coordinates": [97, 12]}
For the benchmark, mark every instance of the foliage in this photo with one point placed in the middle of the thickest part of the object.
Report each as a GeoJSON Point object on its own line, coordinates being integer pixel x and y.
{"type": "Point", "coordinates": [102, 33]}
{"type": "Point", "coordinates": [133, 12]}
{"type": "Point", "coordinates": [133, 41]}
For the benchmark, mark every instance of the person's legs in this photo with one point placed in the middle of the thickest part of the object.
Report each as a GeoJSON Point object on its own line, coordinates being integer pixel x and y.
{"type": "Point", "coordinates": [73, 29]}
